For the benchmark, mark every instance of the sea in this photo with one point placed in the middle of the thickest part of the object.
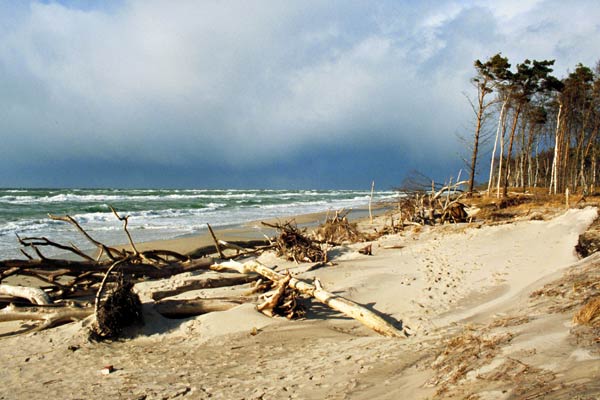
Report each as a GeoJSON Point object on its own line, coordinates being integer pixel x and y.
{"type": "Point", "coordinates": [154, 213]}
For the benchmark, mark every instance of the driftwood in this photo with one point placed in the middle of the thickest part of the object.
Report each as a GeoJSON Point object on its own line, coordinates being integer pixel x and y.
{"type": "Point", "coordinates": [293, 244]}
{"type": "Point", "coordinates": [49, 316]}
{"type": "Point", "coordinates": [80, 277]}
{"type": "Point", "coordinates": [249, 246]}
{"type": "Point", "coordinates": [66, 278]}
{"type": "Point", "coordinates": [32, 294]}
{"type": "Point", "coordinates": [197, 284]}
{"type": "Point", "coordinates": [436, 206]}
{"type": "Point", "coordinates": [217, 245]}
{"type": "Point", "coordinates": [109, 251]}
{"type": "Point", "coordinates": [367, 250]}
{"type": "Point", "coordinates": [337, 230]}
{"type": "Point", "coordinates": [190, 307]}
{"type": "Point", "coordinates": [345, 306]}
{"type": "Point", "coordinates": [276, 301]}
{"type": "Point", "coordinates": [109, 275]}
{"type": "Point", "coordinates": [112, 272]}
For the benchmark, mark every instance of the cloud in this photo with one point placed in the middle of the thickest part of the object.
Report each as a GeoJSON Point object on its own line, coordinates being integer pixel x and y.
{"type": "Point", "coordinates": [247, 86]}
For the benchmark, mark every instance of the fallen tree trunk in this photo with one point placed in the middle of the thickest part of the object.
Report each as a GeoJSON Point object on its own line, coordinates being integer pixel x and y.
{"type": "Point", "coordinates": [68, 267]}
{"type": "Point", "coordinates": [197, 284]}
{"type": "Point", "coordinates": [245, 244]}
{"type": "Point", "coordinates": [345, 306]}
{"type": "Point", "coordinates": [50, 316]}
{"type": "Point", "coordinates": [32, 294]}
{"type": "Point", "coordinates": [191, 307]}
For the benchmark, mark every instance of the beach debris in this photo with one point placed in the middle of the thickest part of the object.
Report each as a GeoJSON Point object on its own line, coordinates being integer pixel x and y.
{"type": "Point", "coordinates": [434, 204]}
{"type": "Point", "coordinates": [107, 370]}
{"type": "Point", "coordinates": [281, 300]}
{"type": "Point", "coordinates": [316, 291]}
{"type": "Point", "coordinates": [120, 309]}
{"type": "Point", "coordinates": [273, 298]}
{"type": "Point", "coordinates": [243, 248]}
{"type": "Point", "coordinates": [85, 276]}
{"type": "Point", "coordinates": [111, 273]}
{"type": "Point", "coordinates": [293, 244]}
{"type": "Point", "coordinates": [49, 317]}
{"type": "Point", "coordinates": [184, 308]}
{"type": "Point", "coordinates": [222, 280]}
{"type": "Point", "coordinates": [217, 244]}
{"type": "Point", "coordinates": [337, 230]}
{"type": "Point", "coordinates": [367, 250]}
{"type": "Point", "coordinates": [65, 278]}
{"type": "Point", "coordinates": [32, 294]}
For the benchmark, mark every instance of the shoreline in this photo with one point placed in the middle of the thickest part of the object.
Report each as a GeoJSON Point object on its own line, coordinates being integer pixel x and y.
{"type": "Point", "coordinates": [251, 230]}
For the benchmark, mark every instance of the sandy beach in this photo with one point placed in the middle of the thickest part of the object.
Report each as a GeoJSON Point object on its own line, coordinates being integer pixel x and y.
{"type": "Point", "coordinates": [488, 309]}
{"type": "Point", "coordinates": [346, 200]}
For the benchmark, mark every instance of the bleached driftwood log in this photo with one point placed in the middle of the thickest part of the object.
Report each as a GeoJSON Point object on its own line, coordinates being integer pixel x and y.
{"type": "Point", "coordinates": [205, 283]}
{"type": "Point", "coordinates": [272, 298]}
{"type": "Point", "coordinates": [188, 307]}
{"type": "Point", "coordinates": [345, 306]}
{"type": "Point", "coordinates": [50, 316]}
{"type": "Point", "coordinates": [33, 294]}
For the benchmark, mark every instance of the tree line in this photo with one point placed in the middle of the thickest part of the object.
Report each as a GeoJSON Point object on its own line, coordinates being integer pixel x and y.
{"type": "Point", "coordinates": [545, 128]}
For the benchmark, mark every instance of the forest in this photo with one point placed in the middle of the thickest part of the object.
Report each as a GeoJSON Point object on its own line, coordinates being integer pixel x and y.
{"type": "Point", "coordinates": [542, 130]}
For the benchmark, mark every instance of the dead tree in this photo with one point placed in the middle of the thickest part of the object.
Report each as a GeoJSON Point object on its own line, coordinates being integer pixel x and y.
{"type": "Point", "coordinates": [88, 275]}
{"type": "Point", "coordinates": [345, 306]}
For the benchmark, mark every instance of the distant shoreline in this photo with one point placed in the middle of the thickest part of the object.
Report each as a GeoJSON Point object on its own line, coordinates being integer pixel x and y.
{"type": "Point", "coordinates": [250, 230]}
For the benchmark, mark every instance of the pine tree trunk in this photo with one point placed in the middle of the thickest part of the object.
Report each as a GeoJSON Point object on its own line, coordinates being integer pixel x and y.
{"type": "Point", "coordinates": [481, 109]}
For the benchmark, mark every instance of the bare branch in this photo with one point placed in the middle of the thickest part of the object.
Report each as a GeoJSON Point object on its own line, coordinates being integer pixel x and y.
{"type": "Point", "coordinates": [67, 218]}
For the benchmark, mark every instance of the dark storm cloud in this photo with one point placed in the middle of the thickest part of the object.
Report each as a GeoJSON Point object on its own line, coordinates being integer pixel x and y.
{"type": "Point", "coordinates": [246, 91]}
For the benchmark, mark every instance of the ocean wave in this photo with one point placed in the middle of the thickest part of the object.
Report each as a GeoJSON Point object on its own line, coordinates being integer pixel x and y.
{"type": "Point", "coordinates": [27, 226]}
{"type": "Point", "coordinates": [107, 197]}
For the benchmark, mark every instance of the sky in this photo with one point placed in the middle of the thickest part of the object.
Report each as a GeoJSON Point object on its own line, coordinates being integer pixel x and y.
{"type": "Point", "coordinates": [260, 94]}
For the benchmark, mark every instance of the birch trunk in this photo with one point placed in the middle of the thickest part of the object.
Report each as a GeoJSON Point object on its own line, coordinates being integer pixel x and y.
{"type": "Point", "coordinates": [510, 147]}
{"type": "Point", "coordinates": [502, 137]}
{"type": "Point", "coordinates": [553, 177]}
{"type": "Point", "coordinates": [495, 146]}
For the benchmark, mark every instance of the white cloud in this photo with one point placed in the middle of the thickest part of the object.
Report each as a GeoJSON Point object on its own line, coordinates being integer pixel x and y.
{"type": "Point", "coordinates": [240, 82]}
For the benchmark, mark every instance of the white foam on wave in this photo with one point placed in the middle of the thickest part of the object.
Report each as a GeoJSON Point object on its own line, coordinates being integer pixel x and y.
{"type": "Point", "coordinates": [187, 195]}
